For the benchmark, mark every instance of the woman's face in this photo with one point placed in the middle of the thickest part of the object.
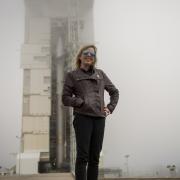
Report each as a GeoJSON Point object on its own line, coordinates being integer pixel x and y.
{"type": "Point", "coordinates": [88, 57]}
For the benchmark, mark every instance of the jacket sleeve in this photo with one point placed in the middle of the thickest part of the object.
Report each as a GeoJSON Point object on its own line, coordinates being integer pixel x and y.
{"type": "Point", "coordinates": [113, 93]}
{"type": "Point", "coordinates": [68, 97]}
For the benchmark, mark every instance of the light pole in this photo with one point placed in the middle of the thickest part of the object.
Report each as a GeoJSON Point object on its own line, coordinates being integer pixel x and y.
{"type": "Point", "coordinates": [20, 141]}
{"type": "Point", "coordinates": [127, 166]}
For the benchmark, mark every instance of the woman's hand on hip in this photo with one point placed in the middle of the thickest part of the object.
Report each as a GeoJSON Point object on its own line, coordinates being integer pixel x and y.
{"type": "Point", "coordinates": [107, 111]}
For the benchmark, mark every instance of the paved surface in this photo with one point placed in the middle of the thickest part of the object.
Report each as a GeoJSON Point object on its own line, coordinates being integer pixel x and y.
{"type": "Point", "coordinates": [49, 176]}
{"type": "Point", "coordinates": [67, 176]}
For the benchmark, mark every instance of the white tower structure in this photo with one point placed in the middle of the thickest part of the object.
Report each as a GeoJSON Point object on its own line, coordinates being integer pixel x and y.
{"type": "Point", "coordinates": [53, 32]}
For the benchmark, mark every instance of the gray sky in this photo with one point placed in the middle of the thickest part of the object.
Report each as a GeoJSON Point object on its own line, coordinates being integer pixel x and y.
{"type": "Point", "coordinates": [138, 47]}
{"type": "Point", "coordinates": [11, 35]}
{"type": "Point", "coordinates": [139, 44]}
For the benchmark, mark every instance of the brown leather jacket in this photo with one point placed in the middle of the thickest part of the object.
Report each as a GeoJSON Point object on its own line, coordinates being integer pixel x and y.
{"type": "Point", "coordinates": [85, 93]}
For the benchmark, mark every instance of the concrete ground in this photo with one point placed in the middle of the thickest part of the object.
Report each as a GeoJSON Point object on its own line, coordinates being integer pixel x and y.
{"type": "Point", "coordinates": [49, 176]}
{"type": "Point", "coordinates": [68, 176]}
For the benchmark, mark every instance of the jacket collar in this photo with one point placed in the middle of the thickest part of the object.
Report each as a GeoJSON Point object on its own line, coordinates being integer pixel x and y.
{"type": "Point", "coordinates": [82, 75]}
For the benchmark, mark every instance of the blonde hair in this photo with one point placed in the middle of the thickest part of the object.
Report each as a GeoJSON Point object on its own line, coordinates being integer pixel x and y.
{"type": "Point", "coordinates": [77, 59]}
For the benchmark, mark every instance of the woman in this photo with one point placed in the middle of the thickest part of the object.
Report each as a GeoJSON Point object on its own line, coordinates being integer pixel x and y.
{"type": "Point", "coordinates": [84, 91]}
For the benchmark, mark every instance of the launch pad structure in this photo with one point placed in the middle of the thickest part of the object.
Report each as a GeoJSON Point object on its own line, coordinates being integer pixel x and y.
{"type": "Point", "coordinates": [54, 30]}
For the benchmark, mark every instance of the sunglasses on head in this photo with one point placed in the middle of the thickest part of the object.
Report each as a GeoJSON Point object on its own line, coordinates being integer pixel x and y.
{"type": "Point", "coordinates": [88, 53]}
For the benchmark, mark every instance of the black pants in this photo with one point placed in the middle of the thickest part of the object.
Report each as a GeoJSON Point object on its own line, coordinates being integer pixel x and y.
{"type": "Point", "coordinates": [89, 133]}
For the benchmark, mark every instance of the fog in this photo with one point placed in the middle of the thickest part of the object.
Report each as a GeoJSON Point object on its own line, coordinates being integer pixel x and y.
{"type": "Point", "coordinates": [138, 48]}
{"type": "Point", "coordinates": [11, 38]}
{"type": "Point", "coordinates": [138, 43]}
